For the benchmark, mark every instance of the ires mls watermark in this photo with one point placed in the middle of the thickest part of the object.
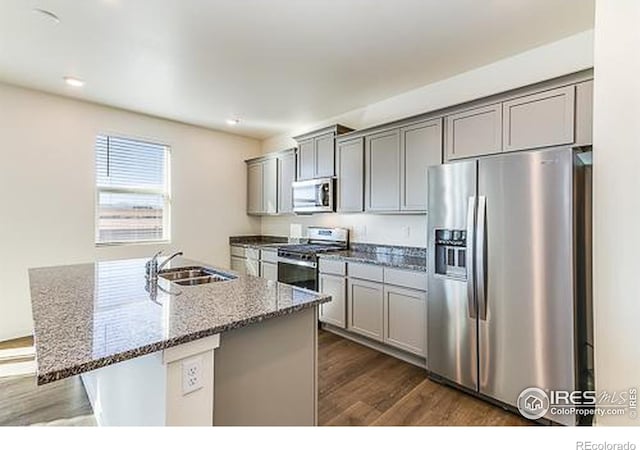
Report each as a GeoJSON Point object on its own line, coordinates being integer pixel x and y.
{"type": "Point", "coordinates": [535, 403]}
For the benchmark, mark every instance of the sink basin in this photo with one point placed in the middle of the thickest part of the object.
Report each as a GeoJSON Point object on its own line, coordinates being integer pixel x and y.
{"type": "Point", "coordinates": [193, 276]}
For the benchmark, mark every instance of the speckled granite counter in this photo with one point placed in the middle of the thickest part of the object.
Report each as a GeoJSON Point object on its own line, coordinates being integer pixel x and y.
{"type": "Point", "coordinates": [88, 316]}
{"type": "Point", "coordinates": [256, 241]}
{"type": "Point", "coordinates": [411, 258]}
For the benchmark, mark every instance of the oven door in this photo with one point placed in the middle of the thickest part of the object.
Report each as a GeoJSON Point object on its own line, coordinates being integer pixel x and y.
{"type": "Point", "coordinates": [313, 196]}
{"type": "Point", "coordinates": [298, 273]}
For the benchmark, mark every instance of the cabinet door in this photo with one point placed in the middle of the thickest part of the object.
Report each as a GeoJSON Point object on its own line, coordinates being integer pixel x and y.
{"type": "Point", "coordinates": [325, 155]}
{"type": "Point", "coordinates": [382, 171]}
{"type": "Point", "coordinates": [474, 132]}
{"type": "Point", "coordinates": [252, 267]}
{"type": "Point", "coordinates": [286, 176]}
{"type": "Point", "coordinates": [539, 120]}
{"type": "Point", "coordinates": [306, 160]}
{"type": "Point", "coordinates": [350, 171]}
{"type": "Point", "coordinates": [405, 319]}
{"type": "Point", "coordinates": [269, 270]}
{"type": "Point", "coordinates": [421, 146]}
{"type": "Point", "coordinates": [270, 186]}
{"type": "Point", "coordinates": [365, 311]}
{"type": "Point", "coordinates": [584, 113]}
{"type": "Point", "coordinates": [335, 311]}
{"type": "Point", "coordinates": [238, 264]}
{"type": "Point", "coordinates": [254, 188]}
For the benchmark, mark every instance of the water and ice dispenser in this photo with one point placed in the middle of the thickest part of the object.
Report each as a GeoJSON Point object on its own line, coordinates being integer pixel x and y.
{"type": "Point", "coordinates": [451, 253]}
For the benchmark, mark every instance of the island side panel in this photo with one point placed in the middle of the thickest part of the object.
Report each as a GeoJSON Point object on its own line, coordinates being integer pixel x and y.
{"type": "Point", "coordinates": [266, 373]}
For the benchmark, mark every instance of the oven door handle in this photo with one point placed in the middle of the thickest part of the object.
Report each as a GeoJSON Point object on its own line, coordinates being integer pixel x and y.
{"type": "Point", "coordinates": [296, 262]}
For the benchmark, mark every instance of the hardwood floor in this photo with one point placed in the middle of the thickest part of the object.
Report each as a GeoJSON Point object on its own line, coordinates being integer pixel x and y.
{"type": "Point", "coordinates": [360, 386]}
{"type": "Point", "coordinates": [357, 386]}
{"type": "Point", "coordinates": [26, 341]}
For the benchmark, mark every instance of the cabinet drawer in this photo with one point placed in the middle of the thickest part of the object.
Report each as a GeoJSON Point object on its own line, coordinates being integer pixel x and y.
{"type": "Point", "coordinates": [406, 278]}
{"type": "Point", "coordinates": [270, 256]}
{"type": "Point", "coordinates": [238, 251]}
{"type": "Point", "coordinates": [331, 266]}
{"type": "Point", "coordinates": [253, 253]}
{"type": "Point", "coordinates": [365, 271]}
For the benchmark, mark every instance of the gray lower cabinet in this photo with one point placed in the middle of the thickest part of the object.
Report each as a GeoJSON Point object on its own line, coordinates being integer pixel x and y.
{"type": "Point", "coordinates": [350, 173]}
{"type": "Point", "coordinates": [252, 267]}
{"type": "Point", "coordinates": [238, 264]}
{"type": "Point", "coordinates": [405, 324]}
{"type": "Point", "coordinates": [262, 187]}
{"type": "Point", "coordinates": [306, 160]}
{"type": "Point", "coordinates": [286, 176]}
{"type": "Point", "coordinates": [269, 270]}
{"type": "Point", "coordinates": [421, 147]}
{"type": "Point", "coordinates": [539, 120]}
{"type": "Point", "coordinates": [365, 308]}
{"type": "Point", "coordinates": [335, 311]}
{"type": "Point", "coordinates": [474, 132]}
{"type": "Point", "coordinates": [382, 171]}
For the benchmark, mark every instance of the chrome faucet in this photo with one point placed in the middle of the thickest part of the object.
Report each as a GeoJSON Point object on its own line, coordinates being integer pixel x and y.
{"type": "Point", "coordinates": [152, 267]}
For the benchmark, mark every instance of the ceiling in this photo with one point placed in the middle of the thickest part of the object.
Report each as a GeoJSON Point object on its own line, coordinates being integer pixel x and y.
{"type": "Point", "coordinates": [276, 65]}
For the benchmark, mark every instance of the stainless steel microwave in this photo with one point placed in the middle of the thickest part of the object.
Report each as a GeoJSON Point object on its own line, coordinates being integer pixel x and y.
{"type": "Point", "coordinates": [312, 196]}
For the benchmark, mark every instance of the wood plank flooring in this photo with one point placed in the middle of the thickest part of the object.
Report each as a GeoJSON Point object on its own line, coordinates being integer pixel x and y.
{"type": "Point", "coordinates": [360, 386]}
{"type": "Point", "coordinates": [357, 386]}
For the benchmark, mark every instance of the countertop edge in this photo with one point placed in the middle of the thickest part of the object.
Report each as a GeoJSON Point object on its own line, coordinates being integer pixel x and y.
{"type": "Point", "coordinates": [56, 375]}
{"type": "Point", "coordinates": [413, 267]}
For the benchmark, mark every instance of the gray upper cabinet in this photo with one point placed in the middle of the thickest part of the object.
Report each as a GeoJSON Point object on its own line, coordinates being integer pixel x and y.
{"type": "Point", "coordinates": [474, 132]}
{"type": "Point", "coordinates": [539, 120]}
{"type": "Point", "coordinates": [254, 188]}
{"type": "Point", "coordinates": [286, 176]}
{"type": "Point", "coordinates": [306, 160]}
{"type": "Point", "coordinates": [350, 172]}
{"type": "Point", "coordinates": [262, 186]}
{"type": "Point", "coordinates": [421, 147]}
{"type": "Point", "coordinates": [325, 155]}
{"type": "Point", "coordinates": [584, 113]}
{"type": "Point", "coordinates": [317, 152]}
{"type": "Point", "coordinates": [382, 171]}
{"type": "Point", "coordinates": [270, 186]}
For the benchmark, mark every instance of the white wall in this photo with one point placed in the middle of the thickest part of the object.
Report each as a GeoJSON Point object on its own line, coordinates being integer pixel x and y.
{"type": "Point", "coordinates": [47, 190]}
{"type": "Point", "coordinates": [616, 198]}
{"type": "Point", "coordinates": [566, 56]}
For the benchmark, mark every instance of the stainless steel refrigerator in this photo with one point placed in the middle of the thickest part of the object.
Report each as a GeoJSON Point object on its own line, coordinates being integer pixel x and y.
{"type": "Point", "coordinates": [508, 248]}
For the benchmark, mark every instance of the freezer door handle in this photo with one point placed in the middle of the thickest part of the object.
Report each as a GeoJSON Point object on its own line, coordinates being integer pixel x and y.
{"type": "Point", "coordinates": [481, 257]}
{"type": "Point", "coordinates": [471, 226]}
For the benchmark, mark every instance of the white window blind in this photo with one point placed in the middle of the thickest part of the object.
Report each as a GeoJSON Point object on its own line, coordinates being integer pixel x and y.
{"type": "Point", "coordinates": [132, 179]}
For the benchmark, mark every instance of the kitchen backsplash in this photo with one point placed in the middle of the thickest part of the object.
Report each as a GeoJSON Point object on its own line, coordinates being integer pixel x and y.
{"type": "Point", "coordinates": [406, 230]}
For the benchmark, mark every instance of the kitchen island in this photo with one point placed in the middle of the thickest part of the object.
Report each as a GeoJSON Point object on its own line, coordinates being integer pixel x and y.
{"type": "Point", "coordinates": [235, 352]}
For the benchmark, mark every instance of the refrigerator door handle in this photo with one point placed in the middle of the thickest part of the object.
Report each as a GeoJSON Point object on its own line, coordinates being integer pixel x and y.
{"type": "Point", "coordinates": [481, 257]}
{"type": "Point", "coordinates": [471, 227]}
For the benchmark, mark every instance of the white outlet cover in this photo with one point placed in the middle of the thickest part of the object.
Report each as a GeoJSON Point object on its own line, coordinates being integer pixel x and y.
{"type": "Point", "coordinates": [191, 375]}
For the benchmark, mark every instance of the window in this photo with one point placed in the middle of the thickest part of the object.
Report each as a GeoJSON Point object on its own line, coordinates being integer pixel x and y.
{"type": "Point", "coordinates": [132, 179]}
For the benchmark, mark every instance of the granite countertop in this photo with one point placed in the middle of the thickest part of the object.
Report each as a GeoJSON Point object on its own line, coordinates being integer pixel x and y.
{"type": "Point", "coordinates": [410, 258]}
{"type": "Point", "coordinates": [258, 241]}
{"type": "Point", "coordinates": [88, 316]}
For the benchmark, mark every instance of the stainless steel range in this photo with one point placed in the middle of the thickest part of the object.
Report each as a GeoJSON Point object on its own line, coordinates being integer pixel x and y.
{"type": "Point", "coordinates": [298, 264]}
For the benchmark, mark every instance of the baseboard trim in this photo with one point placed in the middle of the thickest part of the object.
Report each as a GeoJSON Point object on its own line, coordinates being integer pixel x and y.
{"type": "Point", "coordinates": [391, 351]}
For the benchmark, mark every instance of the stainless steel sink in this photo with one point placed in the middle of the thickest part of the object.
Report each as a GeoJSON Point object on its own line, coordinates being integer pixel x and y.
{"type": "Point", "coordinates": [193, 276]}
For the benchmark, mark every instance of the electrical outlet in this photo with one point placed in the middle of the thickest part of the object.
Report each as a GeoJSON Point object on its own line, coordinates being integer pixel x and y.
{"type": "Point", "coordinates": [191, 375]}
{"type": "Point", "coordinates": [360, 231]}
{"type": "Point", "coordinates": [406, 232]}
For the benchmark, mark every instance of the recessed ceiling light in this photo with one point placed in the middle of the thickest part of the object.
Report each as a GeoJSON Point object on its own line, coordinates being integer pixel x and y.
{"type": "Point", "coordinates": [75, 82]}
{"type": "Point", "coordinates": [47, 14]}
{"type": "Point", "coordinates": [233, 122]}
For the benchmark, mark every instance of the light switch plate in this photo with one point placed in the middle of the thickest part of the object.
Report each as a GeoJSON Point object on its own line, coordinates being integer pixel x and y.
{"type": "Point", "coordinates": [191, 375]}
